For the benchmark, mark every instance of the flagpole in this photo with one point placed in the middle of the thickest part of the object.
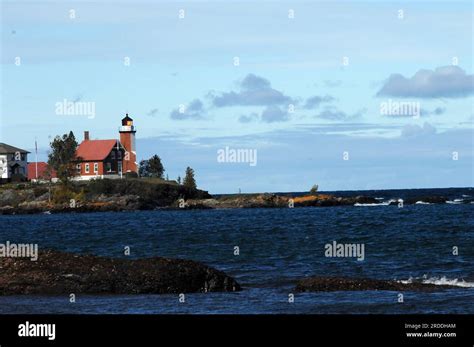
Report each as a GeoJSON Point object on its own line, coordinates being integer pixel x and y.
{"type": "Point", "coordinates": [36, 158]}
{"type": "Point", "coordinates": [118, 150]}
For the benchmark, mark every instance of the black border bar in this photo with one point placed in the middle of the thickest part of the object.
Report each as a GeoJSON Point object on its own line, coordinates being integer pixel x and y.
{"type": "Point", "coordinates": [242, 329]}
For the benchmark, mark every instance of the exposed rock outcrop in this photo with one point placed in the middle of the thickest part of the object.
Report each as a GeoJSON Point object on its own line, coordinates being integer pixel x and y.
{"type": "Point", "coordinates": [64, 273]}
{"type": "Point", "coordinates": [331, 284]}
{"type": "Point", "coordinates": [427, 199]}
{"type": "Point", "coordinates": [149, 194]}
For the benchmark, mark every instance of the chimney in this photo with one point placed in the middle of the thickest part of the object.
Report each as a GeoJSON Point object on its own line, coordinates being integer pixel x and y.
{"type": "Point", "coordinates": [86, 135]}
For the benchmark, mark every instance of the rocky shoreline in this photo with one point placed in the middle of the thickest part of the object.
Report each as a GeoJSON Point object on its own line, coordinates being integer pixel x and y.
{"type": "Point", "coordinates": [57, 273]}
{"type": "Point", "coordinates": [331, 284]}
{"type": "Point", "coordinates": [137, 195]}
{"type": "Point", "coordinates": [61, 273]}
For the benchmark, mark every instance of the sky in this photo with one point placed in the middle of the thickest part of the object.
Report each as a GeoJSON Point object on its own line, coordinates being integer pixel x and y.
{"type": "Point", "coordinates": [348, 95]}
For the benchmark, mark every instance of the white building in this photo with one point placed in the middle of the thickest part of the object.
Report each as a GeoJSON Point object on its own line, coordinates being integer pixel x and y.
{"type": "Point", "coordinates": [13, 162]}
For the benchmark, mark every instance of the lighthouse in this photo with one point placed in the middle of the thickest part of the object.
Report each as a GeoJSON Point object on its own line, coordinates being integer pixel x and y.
{"type": "Point", "coordinates": [127, 139]}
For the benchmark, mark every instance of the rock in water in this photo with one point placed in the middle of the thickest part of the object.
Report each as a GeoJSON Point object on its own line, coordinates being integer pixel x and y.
{"type": "Point", "coordinates": [64, 273]}
{"type": "Point", "coordinates": [331, 284]}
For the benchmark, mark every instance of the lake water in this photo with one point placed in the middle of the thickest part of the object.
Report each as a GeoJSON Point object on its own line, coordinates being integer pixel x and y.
{"type": "Point", "coordinates": [277, 247]}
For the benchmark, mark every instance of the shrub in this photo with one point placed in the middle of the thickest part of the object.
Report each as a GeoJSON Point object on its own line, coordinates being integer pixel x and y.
{"type": "Point", "coordinates": [131, 175]}
{"type": "Point", "coordinates": [63, 195]}
{"type": "Point", "coordinates": [39, 191]}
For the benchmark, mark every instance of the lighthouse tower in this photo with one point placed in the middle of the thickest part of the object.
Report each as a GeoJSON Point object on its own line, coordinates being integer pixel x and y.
{"type": "Point", "coordinates": [127, 139]}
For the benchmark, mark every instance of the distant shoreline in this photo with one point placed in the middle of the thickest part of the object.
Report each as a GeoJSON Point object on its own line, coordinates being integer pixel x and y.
{"type": "Point", "coordinates": [150, 194]}
{"type": "Point", "coordinates": [300, 193]}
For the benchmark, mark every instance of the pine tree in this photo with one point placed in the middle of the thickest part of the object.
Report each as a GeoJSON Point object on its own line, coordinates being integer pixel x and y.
{"type": "Point", "coordinates": [189, 180]}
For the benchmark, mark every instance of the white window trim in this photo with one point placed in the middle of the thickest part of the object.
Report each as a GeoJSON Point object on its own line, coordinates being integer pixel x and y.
{"type": "Point", "coordinates": [87, 168]}
{"type": "Point", "coordinates": [96, 168]}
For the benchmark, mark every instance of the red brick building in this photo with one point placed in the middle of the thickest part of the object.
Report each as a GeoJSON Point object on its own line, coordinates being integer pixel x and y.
{"type": "Point", "coordinates": [108, 158]}
{"type": "Point", "coordinates": [39, 172]}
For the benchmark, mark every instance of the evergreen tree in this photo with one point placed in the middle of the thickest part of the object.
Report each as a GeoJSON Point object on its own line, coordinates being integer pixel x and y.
{"type": "Point", "coordinates": [314, 189]}
{"type": "Point", "coordinates": [189, 180]}
{"type": "Point", "coordinates": [63, 155]}
{"type": "Point", "coordinates": [151, 167]}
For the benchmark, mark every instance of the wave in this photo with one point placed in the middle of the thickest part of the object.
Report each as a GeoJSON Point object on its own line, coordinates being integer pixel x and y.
{"type": "Point", "coordinates": [440, 281]}
{"type": "Point", "coordinates": [422, 203]}
{"type": "Point", "coordinates": [455, 201]}
{"type": "Point", "coordinates": [379, 204]}
{"type": "Point", "coordinates": [385, 203]}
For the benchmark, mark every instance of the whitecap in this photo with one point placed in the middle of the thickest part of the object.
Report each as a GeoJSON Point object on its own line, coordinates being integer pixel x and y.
{"type": "Point", "coordinates": [440, 281]}
{"type": "Point", "coordinates": [385, 203]}
{"type": "Point", "coordinates": [379, 204]}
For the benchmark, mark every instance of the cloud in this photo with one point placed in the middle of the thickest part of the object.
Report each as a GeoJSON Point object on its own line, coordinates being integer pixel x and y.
{"type": "Point", "coordinates": [152, 112]}
{"type": "Point", "coordinates": [332, 113]}
{"type": "Point", "coordinates": [271, 114]}
{"type": "Point", "coordinates": [436, 112]}
{"type": "Point", "coordinates": [413, 130]}
{"type": "Point", "coordinates": [254, 91]}
{"type": "Point", "coordinates": [274, 114]}
{"type": "Point", "coordinates": [446, 81]}
{"type": "Point", "coordinates": [254, 82]}
{"type": "Point", "coordinates": [247, 119]}
{"type": "Point", "coordinates": [194, 110]}
{"type": "Point", "coordinates": [314, 101]}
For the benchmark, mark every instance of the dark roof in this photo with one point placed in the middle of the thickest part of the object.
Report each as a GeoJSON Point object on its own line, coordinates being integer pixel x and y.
{"type": "Point", "coordinates": [7, 149]}
{"type": "Point", "coordinates": [126, 118]}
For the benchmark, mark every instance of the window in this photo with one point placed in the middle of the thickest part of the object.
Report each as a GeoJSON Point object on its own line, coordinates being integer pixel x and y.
{"type": "Point", "coordinates": [78, 168]}
{"type": "Point", "coordinates": [119, 154]}
{"type": "Point", "coordinates": [112, 155]}
{"type": "Point", "coordinates": [87, 168]}
{"type": "Point", "coordinates": [96, 168]}
{"type": "Point", "coordinates": [109, 167]}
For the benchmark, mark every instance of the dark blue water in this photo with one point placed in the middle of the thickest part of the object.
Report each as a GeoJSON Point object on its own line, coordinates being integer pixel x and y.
{"type": "Point", "coordinates": [277, 247]}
